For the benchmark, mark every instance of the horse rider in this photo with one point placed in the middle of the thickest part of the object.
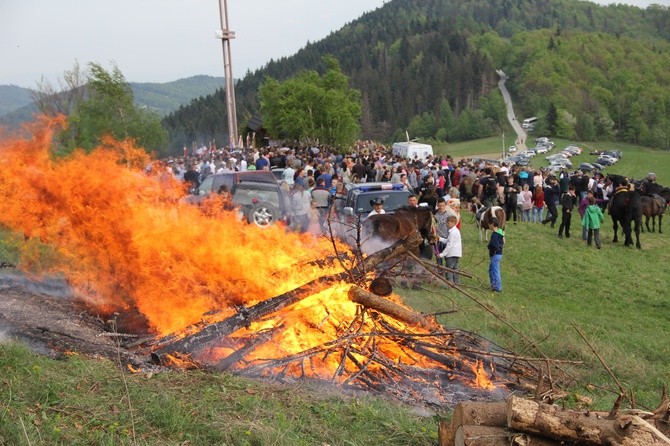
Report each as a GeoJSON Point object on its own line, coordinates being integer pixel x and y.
{"type": "Point", "coordinates": [377, 207]}
{"type": "Point", "coordinates": [651, 188]}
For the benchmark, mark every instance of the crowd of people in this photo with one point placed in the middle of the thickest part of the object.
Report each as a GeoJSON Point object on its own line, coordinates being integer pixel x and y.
{"type": "Point", "coordinates": [314, 176]}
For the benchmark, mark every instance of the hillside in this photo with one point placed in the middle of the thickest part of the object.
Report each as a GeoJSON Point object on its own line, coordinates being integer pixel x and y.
{"type": "Point", "coordinates": [167, 97]}
{"type": "Point", "coordinates": [13, 97]}
{"type": "Point", "coordinates": [422, 65]}
{"type": "Point", "coordinates": [16, 104]}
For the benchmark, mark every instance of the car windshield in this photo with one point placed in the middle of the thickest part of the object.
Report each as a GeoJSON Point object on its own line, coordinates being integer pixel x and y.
{"type": "Point", "coordinates": [249, 197]}
{"type": "Point", "coordinates": [392, 201]}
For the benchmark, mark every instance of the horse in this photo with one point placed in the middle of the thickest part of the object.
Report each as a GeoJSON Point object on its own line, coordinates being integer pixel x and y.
{"type": "Point", "coordinates": [625, 207]}
{"type": "Point", "coordinates": [483, 216]}
{"type": "Point", "coordinates": [654, 202]}
{"type": "Point", "coordinates": [653, 207]}
{"type": "Point", "coordinates": [414, 224]}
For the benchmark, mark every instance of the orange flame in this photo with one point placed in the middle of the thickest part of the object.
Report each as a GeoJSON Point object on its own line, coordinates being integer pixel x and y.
{"type": "Point", "coordinates": [482, 380]}
{"type": "Point", "coordinates": [126, 242]}
{"type": "Point", "coordinates": [124, 239]}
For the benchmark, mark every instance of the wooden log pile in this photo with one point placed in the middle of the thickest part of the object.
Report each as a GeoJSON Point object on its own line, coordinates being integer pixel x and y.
{"type": "Point", "coordinates": [523, 422]}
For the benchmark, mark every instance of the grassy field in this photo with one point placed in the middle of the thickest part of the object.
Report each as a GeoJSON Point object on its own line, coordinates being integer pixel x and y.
{"type": "Point", "coordinates": [616, 296]}
{"type": "Point", "coordinates": [636, 163]}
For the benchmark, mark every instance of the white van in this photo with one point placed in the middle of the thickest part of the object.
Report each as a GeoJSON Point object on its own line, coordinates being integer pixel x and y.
{"type": "Point", "coordinates": [529, 123]}
{"type": "Point", "coordinates": [413, 150]}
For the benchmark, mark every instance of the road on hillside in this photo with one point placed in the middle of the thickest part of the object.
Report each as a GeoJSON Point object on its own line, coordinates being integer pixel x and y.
{"type": "Point", "coordinates": [511, 116]}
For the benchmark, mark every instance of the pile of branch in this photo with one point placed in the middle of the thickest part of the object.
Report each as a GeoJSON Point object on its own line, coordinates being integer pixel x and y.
{"type": "Point", "coordinates": [521, 422]}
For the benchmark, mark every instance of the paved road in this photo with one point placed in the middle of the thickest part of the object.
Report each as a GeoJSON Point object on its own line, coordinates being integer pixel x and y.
{"type": "Point", "coordinates": [511, 116]}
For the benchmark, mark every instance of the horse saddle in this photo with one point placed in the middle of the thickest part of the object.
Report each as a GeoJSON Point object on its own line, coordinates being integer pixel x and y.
{"type": "Point", "coordinates": [659, 200]}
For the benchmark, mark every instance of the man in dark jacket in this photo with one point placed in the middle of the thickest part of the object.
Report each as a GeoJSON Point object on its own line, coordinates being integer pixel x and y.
{"type": "Point", "coordinates": [552, 194]}
{"type": "Point", "coordinates": [568, 201]}
{"type": "Point", "coordinates": [495, 247]}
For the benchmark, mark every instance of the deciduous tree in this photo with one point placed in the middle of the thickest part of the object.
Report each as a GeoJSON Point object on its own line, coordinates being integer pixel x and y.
{"type": "Point", "coordinates": [310, 107]}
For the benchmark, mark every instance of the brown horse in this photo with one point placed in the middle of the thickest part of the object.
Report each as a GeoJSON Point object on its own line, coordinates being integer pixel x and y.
{"type": "Point", "coordinates": [653, 207]}
{"type": "Point", "coordinates": [412, 224]}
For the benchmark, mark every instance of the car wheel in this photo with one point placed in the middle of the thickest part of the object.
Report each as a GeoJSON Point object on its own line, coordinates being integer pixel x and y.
{"type": "Point", "coordinates": [263, 215]}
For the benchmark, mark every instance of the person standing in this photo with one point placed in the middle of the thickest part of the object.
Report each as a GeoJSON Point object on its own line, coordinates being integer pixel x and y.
{"type": "Point", "coordinates": [538, 204]}
{"type": "Point", "coordinates": [583, 204]}
{"type": "Point", "coordinates": [551, 197]}
{"type": "Point", "coordinates": [441, 218]}
{"type": "Point", "coordinates": [568, 204]}
{"type": "Point", "coordinates": [510, 192]}
{"type": "Point", "coordinates": [593, 217]}
{"type": "Point", "coordinates": [495, 248]}
{"type": "Point", "coordinates": [453, 250]}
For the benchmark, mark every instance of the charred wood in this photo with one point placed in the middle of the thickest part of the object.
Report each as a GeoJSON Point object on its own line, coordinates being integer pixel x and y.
{"type": "Point", "coordinates": [369, 300]}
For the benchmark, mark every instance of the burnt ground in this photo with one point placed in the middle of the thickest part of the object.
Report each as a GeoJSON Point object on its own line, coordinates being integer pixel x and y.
{"type": "Point", "coordinates": [45, 316]}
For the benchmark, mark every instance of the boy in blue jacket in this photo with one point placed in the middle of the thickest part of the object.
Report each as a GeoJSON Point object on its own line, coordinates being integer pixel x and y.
{"type": "Point", "coordinates": [495, 247]}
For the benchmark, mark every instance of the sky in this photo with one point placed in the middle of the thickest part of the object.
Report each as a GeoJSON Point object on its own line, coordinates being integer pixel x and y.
{"type": "Point", "coordinates": [164, 40]}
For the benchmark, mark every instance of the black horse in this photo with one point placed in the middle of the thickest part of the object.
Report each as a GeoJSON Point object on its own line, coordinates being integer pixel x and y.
{"type": "Point", "coordinates": [625, 207]}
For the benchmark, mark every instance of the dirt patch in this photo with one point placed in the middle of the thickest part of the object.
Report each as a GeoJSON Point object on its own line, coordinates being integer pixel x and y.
{"type": "Point", "coordinates": [45, 316]}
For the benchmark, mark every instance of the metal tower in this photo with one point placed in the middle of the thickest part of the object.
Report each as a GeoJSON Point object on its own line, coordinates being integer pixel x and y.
{"type": "Point", "coordinates": [226, 36]}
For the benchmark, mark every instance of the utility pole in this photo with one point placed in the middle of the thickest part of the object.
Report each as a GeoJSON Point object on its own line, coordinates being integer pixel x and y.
{"type": "Point", "coordinates": [226, 36]}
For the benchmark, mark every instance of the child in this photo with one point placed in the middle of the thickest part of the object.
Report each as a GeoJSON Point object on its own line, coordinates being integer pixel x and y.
{"type": "Point", "coordinates": [495, 247]}
{"type": "Point", "coordinates": [538, 204]}
{"type": "Point", "coordinates": [453, 250]}
{"type": "Point", "coordinates": [593, 217]}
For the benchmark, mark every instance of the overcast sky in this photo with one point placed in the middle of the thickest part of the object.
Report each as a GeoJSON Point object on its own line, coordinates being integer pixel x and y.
{"type": "Point", "coordinates": [163, 40]}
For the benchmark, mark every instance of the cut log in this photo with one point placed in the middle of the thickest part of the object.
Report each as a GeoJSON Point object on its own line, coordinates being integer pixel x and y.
{"type": "Point", "coordinates": [444, 435]}
{"type": "Point", "coordinates": [477, 414]}
{"type": "Point", "coordinates": [481, 436]}
{"type": "Point", "coordinates": [497, 436]}
{"type": "Point", "coordinates": [480, 414]}
{"type": "Point", "coordinates": [385, 306]}
{"type": "Point", "coordinates": [585, 428]}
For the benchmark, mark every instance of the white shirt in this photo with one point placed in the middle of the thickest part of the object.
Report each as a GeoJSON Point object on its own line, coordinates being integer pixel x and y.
{"type": "Point", "coordinates": [374, 212]}
{"type": "Point", "coordinates": [453, 246]}
{"type": "Point", "coordinates": [288, 175]}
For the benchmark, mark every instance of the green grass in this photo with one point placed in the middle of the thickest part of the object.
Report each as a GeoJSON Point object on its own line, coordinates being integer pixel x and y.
{"type": "Point", "coordinates": [83, 401]}
{"type": "Point", "coordinates": [617, 296]}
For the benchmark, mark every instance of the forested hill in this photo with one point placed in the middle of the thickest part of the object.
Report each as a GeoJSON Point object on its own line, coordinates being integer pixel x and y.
{"type": "Point", "coordinates": [429, 66]}
{"type": "Point", "coordinates": [16, 103]}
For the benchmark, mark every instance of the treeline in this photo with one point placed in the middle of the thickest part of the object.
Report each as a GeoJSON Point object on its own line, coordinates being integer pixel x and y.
{"type": "Point", "coordinates": [429, 66]}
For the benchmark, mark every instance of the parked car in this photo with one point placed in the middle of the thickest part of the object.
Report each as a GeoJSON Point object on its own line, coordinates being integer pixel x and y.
{"type": "Point", "coordinates": [562, 163]}
{"type": "Point", "coordinates": [541, 149]}
{"type": "Point", "coordinates": [359, 195]}
{"type": "Point", "coordinates": [612, 159]}
{"type": "Point", "coordinates": [213, 183]}
{"type": "Point", "coordinates": [618, 154]}
{"type": "Point", "coordinates": [586, 167]}
{"type": "Point", "coordinates": [511, 149]}
{"type": "Point", "coordinates": [356, 202]}
{"type": "Point", "coordinates": [605, 161]}
{"type": "Point", "coordinates": [262, 203]}
{"type": "Point", "coordinates": [598, 166]}
{"type": "Point", "coordinates": [528, 153]}
{"type": "Point", "coordinates": [278, 172]}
